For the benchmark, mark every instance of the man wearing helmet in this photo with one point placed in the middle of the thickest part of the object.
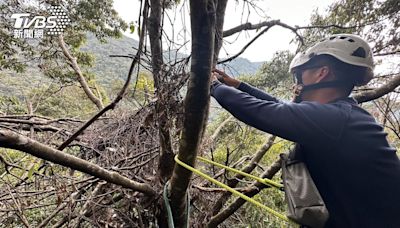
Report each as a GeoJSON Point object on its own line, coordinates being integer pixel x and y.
{"type": "Point", "coordinates": [354, 168]}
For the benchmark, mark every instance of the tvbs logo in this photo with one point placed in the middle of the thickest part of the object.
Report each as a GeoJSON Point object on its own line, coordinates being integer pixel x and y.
{"type": "Point", "coordinates": [39, 22]}
{"type": "Point", "coordinates": [24, 27]}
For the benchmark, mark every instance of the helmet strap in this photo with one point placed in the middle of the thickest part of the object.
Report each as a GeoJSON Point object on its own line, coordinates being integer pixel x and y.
{"type": "Point", "coordinates": [299, 89]}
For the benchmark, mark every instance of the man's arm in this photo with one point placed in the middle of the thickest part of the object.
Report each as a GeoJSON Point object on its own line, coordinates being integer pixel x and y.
{"type": "Point", "coordinates": [304, 123]}
{"type": "Point", "coordinates": [255, 92]}
{"type": "Point", "coordinates": [230, 81]}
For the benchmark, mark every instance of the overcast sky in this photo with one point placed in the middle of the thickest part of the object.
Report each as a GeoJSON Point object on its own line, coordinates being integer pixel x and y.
{"type": "Point", "coordinates": [291, 12]}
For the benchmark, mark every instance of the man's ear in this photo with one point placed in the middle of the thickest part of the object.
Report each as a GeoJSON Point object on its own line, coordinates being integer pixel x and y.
{"type": "Point", "coordinates": [324, 74]}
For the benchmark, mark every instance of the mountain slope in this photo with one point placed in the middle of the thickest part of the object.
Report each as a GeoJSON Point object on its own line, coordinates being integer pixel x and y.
{"type": "Point", "coordinates": [108, 68]}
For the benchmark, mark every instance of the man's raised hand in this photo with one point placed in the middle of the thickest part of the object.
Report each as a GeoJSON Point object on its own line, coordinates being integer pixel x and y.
{"type": "Point", "coordinates": [224, 78]}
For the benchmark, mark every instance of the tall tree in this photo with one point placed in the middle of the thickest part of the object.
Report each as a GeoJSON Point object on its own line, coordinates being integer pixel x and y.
{"type": "Point", "coordinates": [202, 20]}
{"type": "Point", "coordinates": [166, 160]}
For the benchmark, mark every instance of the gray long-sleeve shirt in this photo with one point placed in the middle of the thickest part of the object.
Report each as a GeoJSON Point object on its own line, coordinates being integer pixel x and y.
{"type": "Point", "coordinates": [346, 151]}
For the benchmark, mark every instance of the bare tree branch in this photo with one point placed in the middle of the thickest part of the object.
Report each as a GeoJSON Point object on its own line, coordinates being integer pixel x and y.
{"type": "Point", "coordinates": [19, 121]}
{"type": "Point", "coordinates": [19, 210]}
{"type": "Point", "coordinates": [256, 188]}
{"type": "Point", "coordinates": [268, 25]}
{"type": "Point", "coordinates": [85, 208]}
{"type": "Point", "coordinates": [249, 26]}
{"type": "Point", "coordinates": [397, 52]}
{"type": "Point", "coordinates": [245, 47]}
{"type": "Point", "coordinates": [219, 128]}
{"type": "Point", "coordinates": [48, 120]}
{"type": "Point", "coordinates": [390, 86]}
{"type": "Point", "coordinates": [81, 78]}
{"type": "Point", "coordinates": [15, 141]}
{"type": "Point", "coordinates": [60, 207]}
{"type": "Point", "coordinates": [247, 169]}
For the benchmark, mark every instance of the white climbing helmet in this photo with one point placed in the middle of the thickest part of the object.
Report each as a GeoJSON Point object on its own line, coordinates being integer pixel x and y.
{"type": "Point", "coordinates": [348, 48]}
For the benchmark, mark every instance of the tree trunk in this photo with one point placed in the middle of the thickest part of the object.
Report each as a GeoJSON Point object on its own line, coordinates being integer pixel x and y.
{"type": "Point", "coordinates": [166, 160]}
{"type": "Point", "coordinates": [219, 28]}
{"type": "Point", "coordinates": [196, 102]}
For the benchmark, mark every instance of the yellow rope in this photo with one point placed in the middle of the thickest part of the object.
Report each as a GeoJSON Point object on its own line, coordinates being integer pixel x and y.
{"type": "Point", "coordinates": [233, 191]}
{"type": "Point", "coordinates": [261, 180]}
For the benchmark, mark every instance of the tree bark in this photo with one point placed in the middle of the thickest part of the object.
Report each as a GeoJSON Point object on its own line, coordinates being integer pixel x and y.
{"type": "Point", "coordinates": [219, 26]}
{"type": "Point", "coordinates": [9, 139]}
{"type": "Point", "coordinates": [155, 30]}
{"type": "Point", "coordinates": [196, 102]}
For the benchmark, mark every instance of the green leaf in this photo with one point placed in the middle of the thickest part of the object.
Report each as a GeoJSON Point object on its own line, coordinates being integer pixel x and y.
{"type": "Point", "coordinates": [132, 28]}
{"type": "Point", "coordinates": [30, 172]}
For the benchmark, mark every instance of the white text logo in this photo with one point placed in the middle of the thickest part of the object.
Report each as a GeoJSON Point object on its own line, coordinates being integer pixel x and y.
{"type": "Point", "coordinates": [25, 27]}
